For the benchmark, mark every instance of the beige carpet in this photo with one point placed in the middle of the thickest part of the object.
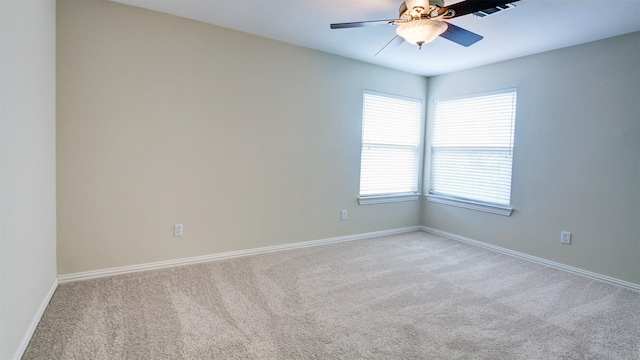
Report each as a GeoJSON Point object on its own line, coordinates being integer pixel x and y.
{"type": "Point", "coordinates": [409, 296]}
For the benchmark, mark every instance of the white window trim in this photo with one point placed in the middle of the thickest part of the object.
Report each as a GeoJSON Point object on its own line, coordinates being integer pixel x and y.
{"type": "Point", "coordinates": [381, 199]}
{"type": "Point", "coordinates": [468, 204]}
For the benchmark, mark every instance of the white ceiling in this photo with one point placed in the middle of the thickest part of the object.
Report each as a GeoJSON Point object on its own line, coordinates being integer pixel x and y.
{"type": "Point", "coordinates": [533, 26]}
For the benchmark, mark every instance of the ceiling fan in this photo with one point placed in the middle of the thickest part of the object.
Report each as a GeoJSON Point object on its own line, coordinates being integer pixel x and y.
{"type": "Point", "coordinates": [421, 21]}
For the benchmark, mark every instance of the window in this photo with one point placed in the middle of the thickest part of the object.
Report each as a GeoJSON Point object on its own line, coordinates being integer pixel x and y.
{"type": "Point", "coordinates": [390, 148]}
{"type": "Point", "coordinates": [472, 151]}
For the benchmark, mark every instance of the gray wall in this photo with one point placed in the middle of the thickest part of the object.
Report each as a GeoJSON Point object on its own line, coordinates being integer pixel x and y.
{"type": "Point", "coordinates": [27, 168]}
{"type": "Point", "coordinates": [576, 161]}
{"type": "Point", "coordinates": [247, 141]}
{"type": "Point", "coordinates": [251, 142]}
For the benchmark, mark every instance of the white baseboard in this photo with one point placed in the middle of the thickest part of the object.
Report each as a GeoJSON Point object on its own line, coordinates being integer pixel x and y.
{"type": "Point", "coordinates": [35, 321]}
{"type": "Point", "coordinates": [227, 255]}
{"type": "Point", "coordinates": [263, 250]}
{"type": "Point", "coordinates": [553, 264]}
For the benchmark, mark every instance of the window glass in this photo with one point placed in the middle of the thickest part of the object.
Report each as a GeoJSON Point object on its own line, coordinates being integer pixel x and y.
{"type": "Point", "coordinates": [390, 144]}
{"type": "Point", "coordinates": [472, 148]}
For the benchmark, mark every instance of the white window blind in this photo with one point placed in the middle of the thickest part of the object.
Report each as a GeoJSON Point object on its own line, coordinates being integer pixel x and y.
{"type": "Point", "coordinates": [390, 144]}
{"type": "Point", "coordinates": [472, 148]}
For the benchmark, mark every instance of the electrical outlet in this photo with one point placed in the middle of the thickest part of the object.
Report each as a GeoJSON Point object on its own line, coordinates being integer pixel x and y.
{"type": "Point", "coordinates": [178, 229]}
{"type": "Point", "coordinates": [343, 215]}
{"type": "Point", "coordinates": [565, 237]}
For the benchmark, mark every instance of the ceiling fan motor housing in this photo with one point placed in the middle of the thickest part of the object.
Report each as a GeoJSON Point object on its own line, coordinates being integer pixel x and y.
{"type": "Point", "coordinates": [413, 9]}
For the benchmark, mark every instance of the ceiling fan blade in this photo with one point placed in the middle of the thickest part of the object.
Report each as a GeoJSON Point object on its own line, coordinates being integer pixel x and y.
{"type": "Point", "coordinates": [460, 36]}
{"type": "Point", "coordinates": [471, 6]}
{"type": "Point", "coordinates": [391, 45]}
{"type": "Point", "coordinates": [363, 24]}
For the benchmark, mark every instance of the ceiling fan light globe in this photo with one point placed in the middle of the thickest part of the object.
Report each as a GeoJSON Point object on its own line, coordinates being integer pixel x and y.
{"type": "Point", "coordinates": [420, 32]}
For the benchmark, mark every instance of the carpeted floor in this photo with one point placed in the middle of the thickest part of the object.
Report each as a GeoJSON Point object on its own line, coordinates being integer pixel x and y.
{"type": "Point", "coordinates": [408, 296]}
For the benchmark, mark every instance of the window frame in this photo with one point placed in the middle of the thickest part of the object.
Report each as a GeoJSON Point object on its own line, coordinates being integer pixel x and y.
{"type": "Point", "coordinates": [499, 209]}
{"type": "Point", "coordinates": [419, 149]}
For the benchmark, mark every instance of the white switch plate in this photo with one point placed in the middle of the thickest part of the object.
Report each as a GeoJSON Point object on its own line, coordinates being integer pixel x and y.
{"type": "Point", "coordinates": [343, 215]}
{"type": "Point", "coordinates": [565, 237]}
{"type": "Point", "coordinates": [178, 229]}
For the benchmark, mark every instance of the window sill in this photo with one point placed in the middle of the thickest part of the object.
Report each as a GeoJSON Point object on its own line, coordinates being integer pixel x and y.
{"type": "Point", "coordinates": [494, 209]}
{"type": "Point", "coordinates": [381, 199]}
